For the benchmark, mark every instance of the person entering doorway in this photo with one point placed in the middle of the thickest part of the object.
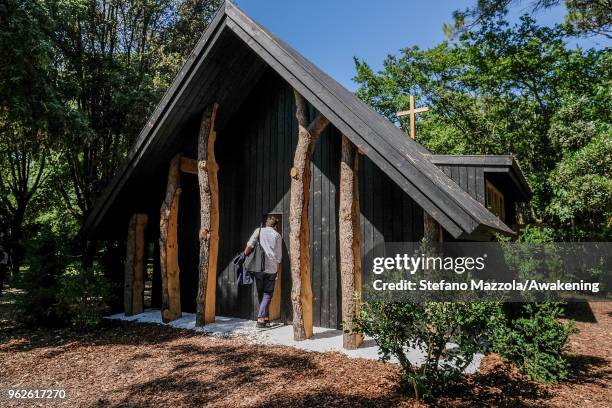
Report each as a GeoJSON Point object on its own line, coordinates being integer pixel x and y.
{"type": "Point", "coordinates": [270, 242]}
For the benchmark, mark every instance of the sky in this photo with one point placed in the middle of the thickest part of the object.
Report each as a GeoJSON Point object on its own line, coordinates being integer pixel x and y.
{"type": "Point", "coordinates": [330, 33]}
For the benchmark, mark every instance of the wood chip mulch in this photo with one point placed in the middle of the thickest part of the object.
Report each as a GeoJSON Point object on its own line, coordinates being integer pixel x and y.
{"type": "Point", "coordinates": [132, 365]}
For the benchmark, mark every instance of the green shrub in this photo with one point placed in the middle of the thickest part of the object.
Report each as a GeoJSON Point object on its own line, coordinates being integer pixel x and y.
{"type": "Point", "coordinates": [534, 339]}
{"type": "Point", "coordinates": [38, 306]}
{"type": "Point", "coordinates": [449, 334]}
{"type": "Point", "coordinates": [57, 292]}
{"type": "Point", "coordinates": [83, 296]}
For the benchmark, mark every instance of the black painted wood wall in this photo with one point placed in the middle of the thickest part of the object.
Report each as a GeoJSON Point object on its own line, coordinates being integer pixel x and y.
{"type": "Point", "coordinates": [472, 179]}
{"type": "Point", "coordinates": [388, 214]}
{"type": "Point", "coordinates": [255, 155]}
{"type": "Point", "coordinates": [469, 178]}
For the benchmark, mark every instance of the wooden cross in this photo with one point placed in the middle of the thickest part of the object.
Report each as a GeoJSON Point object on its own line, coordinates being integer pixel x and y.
{"type": "Point", "coordinates": [412, 113]}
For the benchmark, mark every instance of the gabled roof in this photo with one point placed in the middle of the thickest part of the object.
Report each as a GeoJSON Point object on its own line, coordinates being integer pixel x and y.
{"type": "Point", "coordinates": [402, 159]}
{"type": "Point", "coordinates": [505, 165]}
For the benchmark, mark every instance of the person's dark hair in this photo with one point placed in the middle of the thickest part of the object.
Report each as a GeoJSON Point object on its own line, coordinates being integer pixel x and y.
{"type": "Point", "coordinates": [271, 221]}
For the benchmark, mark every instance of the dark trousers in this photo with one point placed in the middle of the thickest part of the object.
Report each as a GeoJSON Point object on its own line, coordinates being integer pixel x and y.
{"type": "Point", "coordinates": [3, 269]}
{"type": "Point", "coordinates": [265, 290]}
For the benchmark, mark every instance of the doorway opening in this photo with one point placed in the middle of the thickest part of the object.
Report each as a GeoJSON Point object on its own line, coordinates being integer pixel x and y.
{"type": "Point", "coordinates": [275, 304]}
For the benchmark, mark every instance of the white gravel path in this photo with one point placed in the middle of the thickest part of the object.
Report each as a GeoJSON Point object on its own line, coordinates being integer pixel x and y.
{"type": "Point", "coordinates": [322, 341]}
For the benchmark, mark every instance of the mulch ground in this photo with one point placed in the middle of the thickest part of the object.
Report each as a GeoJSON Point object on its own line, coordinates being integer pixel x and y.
{"type": "Point", "coordinates": [131, 365]}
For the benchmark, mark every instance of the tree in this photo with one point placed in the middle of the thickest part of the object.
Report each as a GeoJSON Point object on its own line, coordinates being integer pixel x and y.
{"type": "Point", "coordinates": [583, 17]}
{"type": "Point", "coordinates": [582, 190]}
{"type": "Point", "coordinates": [30, 113]}
{"type": "Point", "coordinates": [505, 90]}
{"type": "Point", "coordinates": [79, 79]}
{"type": "Point", "coordinates": [115, 68]}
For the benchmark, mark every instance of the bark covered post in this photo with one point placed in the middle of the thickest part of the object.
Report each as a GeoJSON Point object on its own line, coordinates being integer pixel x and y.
{"type": "Point", "coordinates": [432, 232]}
{"type": "Point", "coordinates": [138, 265]}
{"type": "Point", "coordinates": [299, 239]}
{"type": "Point", "coordinates": [350, 248]}
{"type": "Point", "coordinates": [128, 285]}
{"type": "Point", "coordinates": [168, 245]}
{"type": "Point", "coordinates": [209, 218]}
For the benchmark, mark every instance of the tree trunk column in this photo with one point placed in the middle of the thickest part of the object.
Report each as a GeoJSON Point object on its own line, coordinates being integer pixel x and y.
{"type": "Point", "coordinates": [432, 231]}
{"type": "Point", "coordinates": [135, 266]}
{"type": "Point", "coordinates": [299, 235]}
{"type": "Point", "coordinates": [209, 218]}
{"type": "Point", "coordinates": [128, 285]}
{"type": "Point", "coordinates": [168, 245]}
{"type": "Point", "coordinates": [350, 248]}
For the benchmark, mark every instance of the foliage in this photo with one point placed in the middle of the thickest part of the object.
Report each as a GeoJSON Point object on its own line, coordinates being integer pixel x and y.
{"type": "Point", "coordinates": [79, 78]}
{"type": "Point", "coordinates": [514, 90]}
{"type": "Point", "coordinates": [57, 290]}
{"type": "Point", "coordinates": [583, 17]}
{"type": "Point", "coordinates": [590, 16]}
{"type": "Point", "coordinates": [39, 305]}
{"type": "Point", "coordinates": [534, 339]}
{"type": "Point", "coordinates": [449, 335]}
{"type": "Point", "coordinates": [118, 58]}
{"type": "Point", "coordinates": [582, 189]}
{"type": "Point", "coordinates": [530, 335]}
{"type": "Point", "coordinates": [83, 296]}
{"type": "Point", "coordinates": [534, 234]}
{"type": "Point", "coordinates": [30, 114]}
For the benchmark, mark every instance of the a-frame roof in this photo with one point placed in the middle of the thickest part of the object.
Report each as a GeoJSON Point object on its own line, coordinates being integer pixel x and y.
{"type": "Point", "coordinates": [405, 161]}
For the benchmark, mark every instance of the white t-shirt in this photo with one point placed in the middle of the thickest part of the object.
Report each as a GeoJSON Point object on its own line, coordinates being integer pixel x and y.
{"type": "Point", "coordinates": [272, 244]}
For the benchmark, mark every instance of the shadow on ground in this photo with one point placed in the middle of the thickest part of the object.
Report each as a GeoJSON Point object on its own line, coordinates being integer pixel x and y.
{"type": "Point", "coordinates": [579, 311]}
{"type": "Point", "coordinates": [588, 370]}
{"type": "Point", "coordinates": [172, 367]}
{"type": "Point", "coordinates": [497, 387]}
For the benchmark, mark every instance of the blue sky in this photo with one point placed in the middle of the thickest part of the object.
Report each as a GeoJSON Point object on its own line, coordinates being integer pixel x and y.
{"type": "Point", "coordinates": [330, 33]}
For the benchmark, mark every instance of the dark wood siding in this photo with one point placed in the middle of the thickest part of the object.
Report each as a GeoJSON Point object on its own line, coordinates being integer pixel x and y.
{"type": "Point", "coordinates": [387, 213]}
{"type": "Point", "coordinates": [472, 178]}
{"type": "Point", "coordinates": [469, 178]}
{"type": "Point", "coordinates": [255, 155]}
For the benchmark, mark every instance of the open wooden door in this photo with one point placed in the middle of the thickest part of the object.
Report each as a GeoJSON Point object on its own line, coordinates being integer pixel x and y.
{"type": "Point", "coordinates": [275, 304]}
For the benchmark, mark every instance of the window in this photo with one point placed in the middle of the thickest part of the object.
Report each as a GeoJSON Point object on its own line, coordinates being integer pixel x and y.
{"type": "Point", "coordinates": [495, 201]}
